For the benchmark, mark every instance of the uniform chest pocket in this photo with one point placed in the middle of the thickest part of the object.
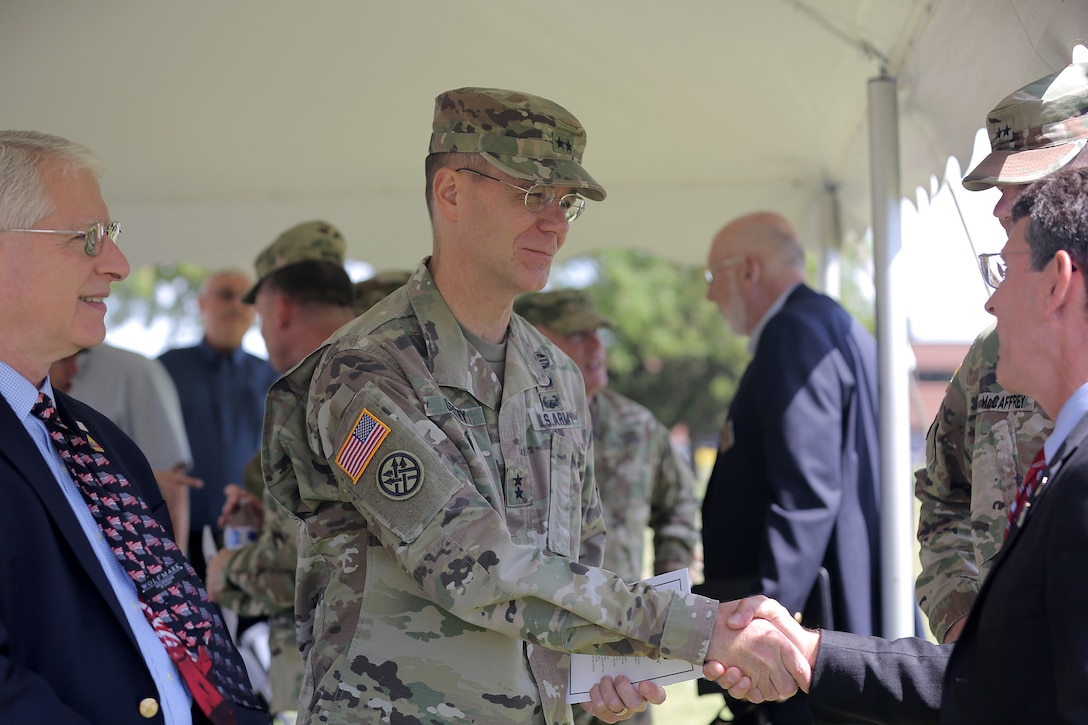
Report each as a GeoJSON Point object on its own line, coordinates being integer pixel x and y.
{"type": "Point", "coordinates": [565, 509]}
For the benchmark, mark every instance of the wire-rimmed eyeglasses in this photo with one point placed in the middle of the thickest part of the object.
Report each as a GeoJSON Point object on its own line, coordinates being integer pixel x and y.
{"type": "Point", "coordinates": [539, 197]}
{"type": "Point", "coordinates": [92, 235]}
{"type": "Point", "coordinates": [993, 266]}
{"type": "Point", "coordinates": [709, 273]}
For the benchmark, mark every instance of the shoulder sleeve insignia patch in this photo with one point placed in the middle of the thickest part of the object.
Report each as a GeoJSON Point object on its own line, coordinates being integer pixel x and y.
{"type": "Point", "coordinates": [361, 444]}
{"type": "Point", "coordinates": [400, 475]}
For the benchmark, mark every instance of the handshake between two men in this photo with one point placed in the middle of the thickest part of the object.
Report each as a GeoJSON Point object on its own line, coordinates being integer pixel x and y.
{"type": "Point", "coordinates": [761, 653]}
{"type": "Point", "coordinates": [758, 652]}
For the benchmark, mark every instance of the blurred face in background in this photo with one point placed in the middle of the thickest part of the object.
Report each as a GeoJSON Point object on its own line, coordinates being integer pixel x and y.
{"type": "Point", "coordinates": [588, 351]}
{"type": "Point", "coordinates": [226, 318]}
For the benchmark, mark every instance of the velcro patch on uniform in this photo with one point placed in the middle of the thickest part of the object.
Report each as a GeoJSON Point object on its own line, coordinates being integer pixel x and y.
{"type": "Point", "coordinates": [1005, 402]}
{"type": "Point", "coordinates": [400, 474]}
{"type": "Point", "coordinates": [361, 444]}
{"type": "Point", "coordinates": [412, 478]}
{"type": "Point", "coordinates": [554, 419]}
{"type": "Point", "coordinates": [435, 405]}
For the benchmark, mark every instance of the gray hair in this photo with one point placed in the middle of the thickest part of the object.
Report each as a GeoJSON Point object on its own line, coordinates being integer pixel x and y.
{"type": "Point", "coordinates": [22, 153]}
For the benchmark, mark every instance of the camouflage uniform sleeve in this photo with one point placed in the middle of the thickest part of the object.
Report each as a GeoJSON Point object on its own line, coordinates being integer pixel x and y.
{"type": "Point", "coordinates": [591, 552]}
{"type": "Point", "coordinates": [261, 574]}
{"type": "Point", "coordinates": [948, 583]}
{"type": "Point", "coordinates": [458, 549]}
{"type": "Point", "coordinates": [672, 507]}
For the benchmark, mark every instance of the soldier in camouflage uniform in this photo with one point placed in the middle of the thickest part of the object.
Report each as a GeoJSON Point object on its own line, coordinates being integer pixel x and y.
{"type": "Point", "coordinates": [303, 295]}
{"type": "Point", "coordinates": [438, 455]}
{"type": "Point", "coordinates": [642, 480]}
{"type": "Point", "coordinates": [984, 438]}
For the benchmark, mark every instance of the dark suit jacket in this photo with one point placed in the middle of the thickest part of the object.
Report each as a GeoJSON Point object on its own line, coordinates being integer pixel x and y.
{"type": "Point", "coordinates": [798, 488]}
{"type": "Point", "coordinates": [67, 654]}
{"type": "Point", "coordinates": [1023, 654]}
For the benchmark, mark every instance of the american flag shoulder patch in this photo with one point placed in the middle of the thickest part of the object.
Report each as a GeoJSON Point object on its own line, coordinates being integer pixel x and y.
{"type": "Point", "coordinates": [363, 441]}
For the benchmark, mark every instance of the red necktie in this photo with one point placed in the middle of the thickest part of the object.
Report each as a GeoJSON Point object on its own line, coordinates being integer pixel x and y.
{"type": "Point", "coordinates": [171, 595]}
{"type": "Point", "coordinates": [1025, 489]}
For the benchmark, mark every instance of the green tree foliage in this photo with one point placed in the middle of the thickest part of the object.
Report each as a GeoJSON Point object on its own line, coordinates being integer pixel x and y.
{"type": "Point", "coordinates": [670, 349]}
{"type": "Point", "coordinates": [157, 292]}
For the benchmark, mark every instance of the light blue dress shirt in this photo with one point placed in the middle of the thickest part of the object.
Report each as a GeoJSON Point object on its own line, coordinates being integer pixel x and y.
{"type": "Point", "coordinates": [1074, 409]}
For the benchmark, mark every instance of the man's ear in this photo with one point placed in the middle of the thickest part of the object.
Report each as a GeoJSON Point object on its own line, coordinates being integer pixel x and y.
{"type": "Point", "coordinates": [752, 270]}
{"type": "Point", "coordinates": [444, 188]}
{"type": "Point", "coordinates": [283, 312]}
{"type": "Point", "coordinates": [1060, 287]}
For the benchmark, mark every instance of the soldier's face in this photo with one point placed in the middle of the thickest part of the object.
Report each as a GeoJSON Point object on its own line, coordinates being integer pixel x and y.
{"type": "Point", "coordinates": [1003, 208]}
{"type": "Point", "coordinates": [587, 350]}
{"type": "Point", "coordinates": [272, 329]}
{"type": "Point", "coordinates": [515, 245]}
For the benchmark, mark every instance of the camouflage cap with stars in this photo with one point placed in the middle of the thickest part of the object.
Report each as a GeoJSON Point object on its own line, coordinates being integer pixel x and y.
{"type": "Point", "coordinates": [525, 136]}
{"type": "Point", "coordinates": [313, 240]}
{"type": "Point", "coordinates": [566, 311]}
{"type": "Point", "coordinates": [1035, 131]}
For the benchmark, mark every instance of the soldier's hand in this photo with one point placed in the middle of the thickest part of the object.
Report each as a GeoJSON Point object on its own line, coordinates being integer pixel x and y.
{"type": "Point", "coordinates": [755, 647]}
{"type": "Point", "coordinates": [237, 497]}
{"type": "Point", "coordinates": [214, 578]}
{"type": "Point", "coordinates": [614, 700]}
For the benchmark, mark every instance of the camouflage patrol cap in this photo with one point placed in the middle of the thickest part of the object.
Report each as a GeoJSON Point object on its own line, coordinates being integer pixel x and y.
{"type": "Point", "coordinates": [371, 291]}
{"type": "Point", "coordinates": [1035, 131]}
{"type": "Point", "coordinates": [565, 311]}
{"type": "Point", "coordinates": [314, 240]}
{"type": "Point", "coordinates": [526, 136]}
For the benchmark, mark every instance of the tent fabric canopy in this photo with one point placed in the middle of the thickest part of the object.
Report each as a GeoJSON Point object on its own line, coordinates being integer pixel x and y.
{"type": "Point", "coordinates": [222, 124]}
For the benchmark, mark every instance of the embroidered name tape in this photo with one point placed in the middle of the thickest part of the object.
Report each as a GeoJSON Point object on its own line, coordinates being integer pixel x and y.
{"type": "Point", "coordinates": [1005, 402]}
{"type": "Point", "coordinates": [361, 444]}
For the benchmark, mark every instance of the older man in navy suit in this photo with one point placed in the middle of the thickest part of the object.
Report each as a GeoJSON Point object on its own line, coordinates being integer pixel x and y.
{"type": "Point", "coordinates": [95, 596]}
{"type": "Point", "coordinates": [792, 506]}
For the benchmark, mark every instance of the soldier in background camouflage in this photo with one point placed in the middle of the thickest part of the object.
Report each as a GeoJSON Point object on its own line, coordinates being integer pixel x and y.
{"type": "Point", "coordinates": [303, 295]}
{"type": "Point", "coordinates": [642, 480]}
{"type": "Point", "coordinates": [438, 454]}
{"type": "Point", "coordinates": [370, 292]}
{"type": "Point", "coordinates": [984, 438]}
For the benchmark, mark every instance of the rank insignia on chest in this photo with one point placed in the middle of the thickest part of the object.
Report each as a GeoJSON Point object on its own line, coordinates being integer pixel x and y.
{"type": "Point", "coordinates": [400, 475]}
{"type": "Point", "coordinates": [518, 492]}
{"type": "Point", "coordinates": [361, 444]}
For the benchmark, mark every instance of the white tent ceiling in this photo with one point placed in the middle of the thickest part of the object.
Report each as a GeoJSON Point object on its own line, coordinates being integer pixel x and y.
{"type": "Point", "coordinates": [222, 123]}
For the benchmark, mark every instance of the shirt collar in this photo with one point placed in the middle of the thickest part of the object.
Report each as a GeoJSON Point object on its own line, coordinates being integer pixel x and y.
{"type": "Point", "coordinates": [1072, 411]}
{"type": "Point", "coordinates": [753, 339]}
{"type": "Point", "coordinates": [213, 356]}
{"type": "Point", "coordinates": [20, 392]}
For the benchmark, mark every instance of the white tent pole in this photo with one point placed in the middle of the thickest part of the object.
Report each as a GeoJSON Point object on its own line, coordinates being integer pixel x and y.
{"type": "Point", "coordinates": [896, 489]}
{"type": "Point", "coordinates": [830, 271]}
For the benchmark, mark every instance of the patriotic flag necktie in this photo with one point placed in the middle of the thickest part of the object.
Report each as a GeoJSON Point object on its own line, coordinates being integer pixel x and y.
{"type": "Point", "coordinates": [171, 594]}
{"type": "Point", "coordinates": [1025, 489]}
